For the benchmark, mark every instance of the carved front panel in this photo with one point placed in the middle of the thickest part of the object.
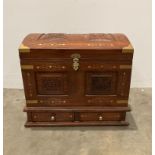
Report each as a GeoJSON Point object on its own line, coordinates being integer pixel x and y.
{"type": "Point", "coordinates": [52, 83]}
{"type": "Point", "coordinates": [100, 83]}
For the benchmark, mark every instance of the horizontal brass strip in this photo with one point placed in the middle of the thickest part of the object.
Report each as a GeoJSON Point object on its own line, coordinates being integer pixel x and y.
{"type": "Point", "coordinates": [121, 101]}
{"type": "Point", "coordinates": [31, 101]}
{"type": "Point", "coordinates": [128, 49]}
{"type": "Point", "coordinates": [125, 66]}
{"type": "Point", "coordinates": [26, 66]}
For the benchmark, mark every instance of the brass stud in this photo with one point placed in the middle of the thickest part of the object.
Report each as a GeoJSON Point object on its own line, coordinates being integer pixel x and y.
{"type": "Point", "coordinates": [30, 94]}
{"type": "Point", "coordinates": [28, 74]}
{"type": "Point", "coordinates": [89, 101]}
{"type": "Point", "coordinates": [62, 44]}
{"type": "Point", "coordinates": [34, 116]}
{"type": "Point", "coordinates": [102, 66]}
{"type": "Point", "coordinates": [123, 84]}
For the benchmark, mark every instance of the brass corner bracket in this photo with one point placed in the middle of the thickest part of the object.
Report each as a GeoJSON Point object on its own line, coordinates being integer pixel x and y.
{"type": "Point", "coordinates": [128, 49]}
{"type": "Point", "coordinates": [24, 49]}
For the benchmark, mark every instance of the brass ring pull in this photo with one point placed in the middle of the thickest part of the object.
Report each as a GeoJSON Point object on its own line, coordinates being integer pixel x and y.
{"type": "Point", "coordinates": [76, 58]}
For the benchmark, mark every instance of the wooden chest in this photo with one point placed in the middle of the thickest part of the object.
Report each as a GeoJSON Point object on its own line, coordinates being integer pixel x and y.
{"type": "Point", "coordinates": [76, 79]}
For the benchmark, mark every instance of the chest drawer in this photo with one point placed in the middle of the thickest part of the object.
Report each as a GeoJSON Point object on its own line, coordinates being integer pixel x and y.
{"type": "Point", "coordinates": [52, 117]}
{"type": "Point", "coordinates": [97, 116]}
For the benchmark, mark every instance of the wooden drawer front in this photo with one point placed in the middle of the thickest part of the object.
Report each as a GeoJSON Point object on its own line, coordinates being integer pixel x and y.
{"type": "Point", "coordinates": [112, 116]}
{"type": "Point", "coordinates": [52, 117]}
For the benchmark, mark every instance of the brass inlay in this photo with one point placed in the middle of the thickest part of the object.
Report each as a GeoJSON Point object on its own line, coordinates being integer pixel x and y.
{"type": "Point", "coordinates": [76, 58]}
{"type": "Point", "coordinates": [26, 66]}
{"type": "Point", "coordinates": [121, 101]}
{"type": "Point", "coordinates": [24, 49]}
{"type": "Point", "coordinates": [125, 66]}
{"type": "Point", "coordinates": [128, 49]}
{"type": "Point", "coordinates": [31, 101]}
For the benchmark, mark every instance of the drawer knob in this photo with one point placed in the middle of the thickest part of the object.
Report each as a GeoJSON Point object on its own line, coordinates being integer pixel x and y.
{"type": "Point", "coordinates": [76, 58]}
{"type": "Point", "coordinates": [100, 118]}
{"type": "Point", "coordinates": [52, 118]}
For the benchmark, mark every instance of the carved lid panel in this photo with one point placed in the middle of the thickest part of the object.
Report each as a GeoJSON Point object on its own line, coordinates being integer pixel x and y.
{"type": "Point", "coordinates": [75, 41]}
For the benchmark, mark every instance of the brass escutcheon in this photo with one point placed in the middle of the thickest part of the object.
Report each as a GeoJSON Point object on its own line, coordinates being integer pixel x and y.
{"type": "Point", "coordinates": [76, 58]}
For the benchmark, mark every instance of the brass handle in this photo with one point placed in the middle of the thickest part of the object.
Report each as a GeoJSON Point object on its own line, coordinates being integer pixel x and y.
{"type": "Point", "coordinates": [76, 58]}
{"type": "Point", "coordinates": [52, 118]}
{"type": "Point", "coordinates": [100, 118]}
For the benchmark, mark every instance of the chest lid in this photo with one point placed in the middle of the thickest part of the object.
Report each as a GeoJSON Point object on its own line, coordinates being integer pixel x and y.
{"type": "Point", "coordinates": [97, 41]}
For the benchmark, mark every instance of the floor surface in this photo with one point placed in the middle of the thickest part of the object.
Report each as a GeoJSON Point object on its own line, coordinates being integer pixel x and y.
{"type": "Point", "coordinates": [132, 140]}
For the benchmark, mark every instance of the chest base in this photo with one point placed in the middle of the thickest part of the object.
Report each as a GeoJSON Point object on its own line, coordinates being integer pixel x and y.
{"type": "Point", "coordinates": [79, 116]}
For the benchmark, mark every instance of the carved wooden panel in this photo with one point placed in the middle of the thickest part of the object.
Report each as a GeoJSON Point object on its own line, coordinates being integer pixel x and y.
{"type": "Point", "coordinates": [52, 83]}
{"type": "Point", "coordinates": [101, 83]}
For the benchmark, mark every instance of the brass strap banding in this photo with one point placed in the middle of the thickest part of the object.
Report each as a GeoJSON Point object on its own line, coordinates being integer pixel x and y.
{"type": "Point", "coordinates": [26, 67]}
{"type": "Point", "coordinates": [31, 101]}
